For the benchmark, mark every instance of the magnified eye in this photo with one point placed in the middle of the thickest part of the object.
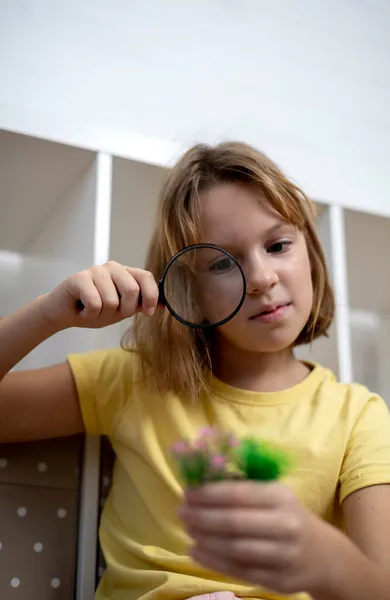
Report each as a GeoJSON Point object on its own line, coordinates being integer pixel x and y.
{"type": "Point", "coordinates": [223, 264]}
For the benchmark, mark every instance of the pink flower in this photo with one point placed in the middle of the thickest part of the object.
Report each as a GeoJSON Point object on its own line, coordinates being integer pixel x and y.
{"type": "Point", "coordinates": [218, 461]}
{"type": "Point", "coordinates": [207, 432]}
{"type": "Point", "coordinates": [200, 444]}
{"type": "Point", "coordinates": [233, 442]}
{"type": "Point", "coordinates": [180, 447]}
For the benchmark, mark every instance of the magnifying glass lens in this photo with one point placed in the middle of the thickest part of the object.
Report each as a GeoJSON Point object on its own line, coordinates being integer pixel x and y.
{"type": "Point", "coordinates": [203, 286]}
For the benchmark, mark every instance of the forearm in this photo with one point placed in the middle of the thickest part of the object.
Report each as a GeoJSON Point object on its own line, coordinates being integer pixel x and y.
{"type": "Point", "coordinates": [352, 576]}
{"type": "Point", "coordinates": [21, 332]}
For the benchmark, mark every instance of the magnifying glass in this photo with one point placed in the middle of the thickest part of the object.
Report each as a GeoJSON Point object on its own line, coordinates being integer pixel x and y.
{"type": "Point", "coordinates": [202, 286]}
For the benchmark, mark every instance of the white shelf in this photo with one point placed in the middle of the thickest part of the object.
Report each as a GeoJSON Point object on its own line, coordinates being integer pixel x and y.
{"type": "Point", "coordinates": [54, 200]}
{"type": "Point", "coordinates": [135, 193]}
{"type": "Point", "coordinates": [368, 251]}
{"type": "Point", "coordinates": [47, 193]}
{"type": "Point", "coordinates": [47, 228]}
{"type": "Point", "coordinates": [38, 181]}
{"type": "Point", "coordinates": [368, 255]}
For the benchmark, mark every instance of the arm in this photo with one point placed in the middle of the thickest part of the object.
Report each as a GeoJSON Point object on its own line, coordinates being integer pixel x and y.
{"type": "Point", "coordinates": [362, 564]}
{"type": "Point", "coordinates": [362, 561]}
{"type": "Point", "coordinates": [367, 522]}
{"type": "Point", "coordinates": [44, 403]}
{"type": "Point", "coordinates": [21, 333]}
{"type": "Point", "coordinates": [39, 404]}
{"type": "Point", "coordinates": [35, 404]}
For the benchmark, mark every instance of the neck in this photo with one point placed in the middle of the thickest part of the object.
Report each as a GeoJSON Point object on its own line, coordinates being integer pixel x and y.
{"type": "Point", "coordinates": [256, 371]}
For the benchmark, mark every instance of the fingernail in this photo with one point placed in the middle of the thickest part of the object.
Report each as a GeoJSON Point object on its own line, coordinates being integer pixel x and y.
{"type": "Point", "coordinates": [150, 311]}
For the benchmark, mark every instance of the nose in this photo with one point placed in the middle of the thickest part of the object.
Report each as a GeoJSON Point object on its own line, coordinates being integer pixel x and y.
{"type": "Point", "coordinates": [261, 275]}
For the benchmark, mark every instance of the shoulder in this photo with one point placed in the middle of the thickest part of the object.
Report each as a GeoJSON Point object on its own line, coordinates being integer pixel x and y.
{"type": "Point", "coordinates": [354, 393]}
{"type": "Point", "coordinates": [352, 401]}
{"type": "Point", "coordinates": [105, 381]}
{"type": "Point", "coordinates": [106, 371]}
{"type": "Point", "coordinates": [106, 361]}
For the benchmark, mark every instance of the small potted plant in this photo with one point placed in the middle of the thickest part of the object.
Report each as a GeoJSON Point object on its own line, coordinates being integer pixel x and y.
{"type": "Point", "coordinates": [217, 455]}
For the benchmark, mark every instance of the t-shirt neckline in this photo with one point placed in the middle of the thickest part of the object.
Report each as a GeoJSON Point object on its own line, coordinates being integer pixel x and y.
{"type": "Point", "coordinates": [225, 391]}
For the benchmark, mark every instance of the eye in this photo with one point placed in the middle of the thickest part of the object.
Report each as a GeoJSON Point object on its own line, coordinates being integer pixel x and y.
{"type": "Point", "coordinates": [223, 264]}
{"type": "Point", "coordinates": [279, 247]}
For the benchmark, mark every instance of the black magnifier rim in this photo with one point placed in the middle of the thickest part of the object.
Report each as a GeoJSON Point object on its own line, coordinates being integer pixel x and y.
{"type": "Point", "coordinates": [162, 298]}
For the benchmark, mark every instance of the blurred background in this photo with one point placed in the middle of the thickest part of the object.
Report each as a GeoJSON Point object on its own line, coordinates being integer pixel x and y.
{"type": "Point", "coordinates": [97, 99]}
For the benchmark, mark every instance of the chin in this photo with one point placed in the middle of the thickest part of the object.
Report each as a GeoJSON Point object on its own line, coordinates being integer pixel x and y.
{"type": "Point", "coordinates": [263, 346]}
{"type": "Point", "coordinates": [275, 340]}
{"type": "Point", "coordinates": [268, 347]}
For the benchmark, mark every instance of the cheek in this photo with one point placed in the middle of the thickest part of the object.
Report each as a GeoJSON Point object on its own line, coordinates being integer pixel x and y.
{"type": "Point", "coordinates": [234, 329]}
{"type": "Point", "coordinates": [219, 301]}
{"type": "Point", "coordinates": [301, 284]}
{"type": "Point", "coordinates": [216, 308]}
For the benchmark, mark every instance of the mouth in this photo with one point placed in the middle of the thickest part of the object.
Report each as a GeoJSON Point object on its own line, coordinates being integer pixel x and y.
{"type": "Point", "coordinates": [271, 313]}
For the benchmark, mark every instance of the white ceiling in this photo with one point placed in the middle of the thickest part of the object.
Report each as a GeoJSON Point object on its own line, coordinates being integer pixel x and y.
{"type": "Point", "coordinates": [35, 175]}
{"type": "Point", "coordinates": [307, 82]}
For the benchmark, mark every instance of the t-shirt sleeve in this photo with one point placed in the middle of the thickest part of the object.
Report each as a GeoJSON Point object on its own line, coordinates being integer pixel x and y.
{"type": "Point", "coordinates": [103, 381]}
{"type": "Point", "coordinates": [367, 457]}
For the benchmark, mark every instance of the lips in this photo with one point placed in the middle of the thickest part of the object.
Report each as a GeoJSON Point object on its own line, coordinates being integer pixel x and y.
{"type": "Point", "coordinates": [269, 309]}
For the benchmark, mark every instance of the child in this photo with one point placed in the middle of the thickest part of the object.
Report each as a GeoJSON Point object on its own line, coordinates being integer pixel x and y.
{"type": "Point", "coordinates": [324, 532]}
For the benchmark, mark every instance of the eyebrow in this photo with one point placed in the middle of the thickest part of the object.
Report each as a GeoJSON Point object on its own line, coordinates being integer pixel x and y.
{"type": "Point", "coordinates": [279, 225]}
{"type": "Point", "coordinates": [232, 246]}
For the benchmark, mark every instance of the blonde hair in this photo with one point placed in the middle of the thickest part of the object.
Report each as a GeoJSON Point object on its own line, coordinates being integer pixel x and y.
{"type": "Point", "coordinates": [176, 358]}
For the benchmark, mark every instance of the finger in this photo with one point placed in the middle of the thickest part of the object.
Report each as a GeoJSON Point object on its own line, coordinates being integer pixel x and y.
{"type": "Point", "coordinates": [215, 596]}
{"type": "Point", "coordinates": [126, 287]}
{"type": "Point", "coordinates": [239, 493]}
{"type": "Point", "coordinates": [82, 288]}
{"type": "Point", "coordinates": [148, 287]}
{"type": "Point", "coordinates": [234, 522]}
{"type": "Point", "coordinates": [257, 576]}
{"type": "Point", "coordinates": [107, 290]}
{"type": "Point", "coordinates": [251, 551]}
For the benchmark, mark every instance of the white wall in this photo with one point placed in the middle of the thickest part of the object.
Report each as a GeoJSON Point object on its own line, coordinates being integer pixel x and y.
{"type": "Point", "coordinates": [308, 82]}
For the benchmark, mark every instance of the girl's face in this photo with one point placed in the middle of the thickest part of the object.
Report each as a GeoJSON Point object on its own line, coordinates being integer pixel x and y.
{"type": "Point", "coordinates": [274, 257]}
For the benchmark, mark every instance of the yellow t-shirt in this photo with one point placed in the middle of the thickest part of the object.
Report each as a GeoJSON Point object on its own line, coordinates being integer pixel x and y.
{"type": "Point", "coordinates": [338, 433]}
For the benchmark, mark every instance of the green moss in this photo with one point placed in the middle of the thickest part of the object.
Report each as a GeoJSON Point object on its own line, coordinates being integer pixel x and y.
{"type": "Point", "coordinates": [260, 461]}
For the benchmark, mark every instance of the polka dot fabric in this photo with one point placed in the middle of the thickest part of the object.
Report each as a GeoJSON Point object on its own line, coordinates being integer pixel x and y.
{"type": "Point", "coordinates": [39, 487]}
{"type": "Point", "coordinates": [54, 463]}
